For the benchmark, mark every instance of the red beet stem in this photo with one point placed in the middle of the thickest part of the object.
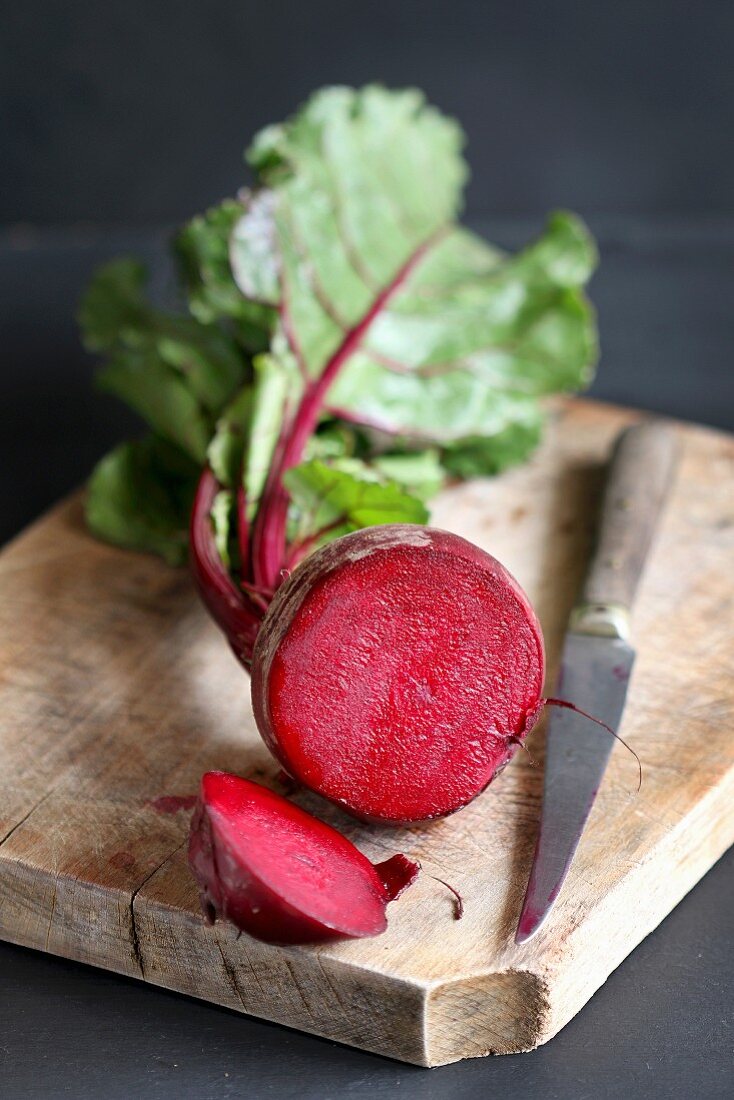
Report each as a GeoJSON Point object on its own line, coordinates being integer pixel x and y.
{"type": "Point", "coordinates": [227, 605]}
{"type": "Point", "coordinates": [458, 900]}
{"type": "Point", "coordinates": [269, 535]}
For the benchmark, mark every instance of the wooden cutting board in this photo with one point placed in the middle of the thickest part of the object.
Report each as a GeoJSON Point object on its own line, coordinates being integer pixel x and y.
{"type": "Point", "coordinates": [117, 693]}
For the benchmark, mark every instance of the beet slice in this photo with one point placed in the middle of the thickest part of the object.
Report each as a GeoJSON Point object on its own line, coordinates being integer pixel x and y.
{"type": "Point", "coordinates": [280, 874]}
{"type": "Point", "coordinates": [396, 671]}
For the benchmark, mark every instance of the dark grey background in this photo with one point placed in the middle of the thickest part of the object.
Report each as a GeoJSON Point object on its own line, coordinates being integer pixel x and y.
{"type": "Point", "coordinates": [119, 119]}
{"type": "Point", "coordinates": [138, 110]}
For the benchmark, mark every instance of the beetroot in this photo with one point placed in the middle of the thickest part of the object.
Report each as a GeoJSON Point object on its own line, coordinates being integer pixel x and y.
{"type": "Point", "coordinates": [281, 875]}
{"type": "Point", "coordinates": [396, 671]}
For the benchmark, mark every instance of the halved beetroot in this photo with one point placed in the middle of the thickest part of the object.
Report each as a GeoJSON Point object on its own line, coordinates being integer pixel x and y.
{"type": "Point", "coordinates": [280, 874]}
{"type": "Point", "coordinates": [396, 671]}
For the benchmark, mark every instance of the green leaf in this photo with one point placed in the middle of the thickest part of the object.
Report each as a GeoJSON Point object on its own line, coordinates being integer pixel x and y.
{"type": "Point", "coordinates": [485, 455]}
{"type": "Point", "coordinates": [206, 360]}
{"type": "Point", "coordinates": [162, 398]}
{"type": "Point", "coordinates": [226, 450]}
{"type": "Point", "coordinates": [202, 251]}
{"type": "Point", "coordinates": [221, 517]}
{"type": "Point", "coordinates": [332, 440]}
{"type": "Point", "coordinates": [357, 182]}
{"type": "Point", "coordinates": [421, 473]}
{"type": "Point", "coordinates": [139, 496]}
{"type": "Point", "coordinates": [252, 251]}
{"type": "Point", "coordinates": [471, 336]}
{"type": "Point", "coordinates": [404, 345]}
{"type": "Point", "coordinates": [248, 430]}
{"type": "Point", "coordinates": [174, 371]}
{"type": "Point", "coordinates": [345, 495]}
{"type": "Point", "coordinates": [274, 388]}
{"type": "Point", "coordinates": [112, 303]}
{"type": "Point", "coordinates": [423, 329]}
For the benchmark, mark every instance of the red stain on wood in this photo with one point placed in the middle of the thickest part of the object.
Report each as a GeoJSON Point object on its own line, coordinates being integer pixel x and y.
{"type": "Point", "coordinates": [122, 861]}
{"type": "Point", "coordinates": [172, 803]}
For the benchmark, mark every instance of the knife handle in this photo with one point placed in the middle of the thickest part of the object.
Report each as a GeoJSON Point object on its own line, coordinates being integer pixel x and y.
{"type": "Point", "coordinates": [640, 474]}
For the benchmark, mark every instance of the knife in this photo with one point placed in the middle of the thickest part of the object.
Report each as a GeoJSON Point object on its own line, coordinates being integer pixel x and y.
{"type": "Point", "coordinates": [597, 658]}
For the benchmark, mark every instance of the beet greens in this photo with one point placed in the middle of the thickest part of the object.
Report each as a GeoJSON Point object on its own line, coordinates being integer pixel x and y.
{"type": "Point", "coordinates": [346, 345]}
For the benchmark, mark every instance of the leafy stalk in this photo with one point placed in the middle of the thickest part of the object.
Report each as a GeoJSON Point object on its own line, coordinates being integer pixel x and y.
{"type": "Point", "coordinates": [270, 531]}
{"type": "Point", "coordinates": [348, 345]}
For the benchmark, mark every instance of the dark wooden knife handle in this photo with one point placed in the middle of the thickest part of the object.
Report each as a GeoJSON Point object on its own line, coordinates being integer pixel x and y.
{"type": "Point", "coordinates": [640, 474]}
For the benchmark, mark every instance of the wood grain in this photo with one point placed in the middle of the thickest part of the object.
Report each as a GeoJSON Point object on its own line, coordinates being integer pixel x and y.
{"type": "Point", "coordinates": [116, 690]}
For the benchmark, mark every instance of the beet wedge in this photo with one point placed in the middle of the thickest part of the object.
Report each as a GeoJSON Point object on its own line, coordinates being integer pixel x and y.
{"type": "Point", "coordinates": [396, 672]}
{"type": "Point", "coordinates": [280, 874]}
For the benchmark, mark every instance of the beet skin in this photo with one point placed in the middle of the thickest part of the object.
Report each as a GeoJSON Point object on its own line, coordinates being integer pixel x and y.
{"type": "Point", "coordinates": [396, 671]}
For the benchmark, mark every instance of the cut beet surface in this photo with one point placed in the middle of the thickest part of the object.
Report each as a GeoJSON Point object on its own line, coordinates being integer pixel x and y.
{"type": "Point", "coordinates": [280, 874]}
{"type": "Point", "coordinates": [396, 671]}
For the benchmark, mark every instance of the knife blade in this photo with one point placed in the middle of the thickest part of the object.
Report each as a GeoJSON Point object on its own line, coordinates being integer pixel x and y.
{"type": "Point", "coordinates": [597, 659]}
